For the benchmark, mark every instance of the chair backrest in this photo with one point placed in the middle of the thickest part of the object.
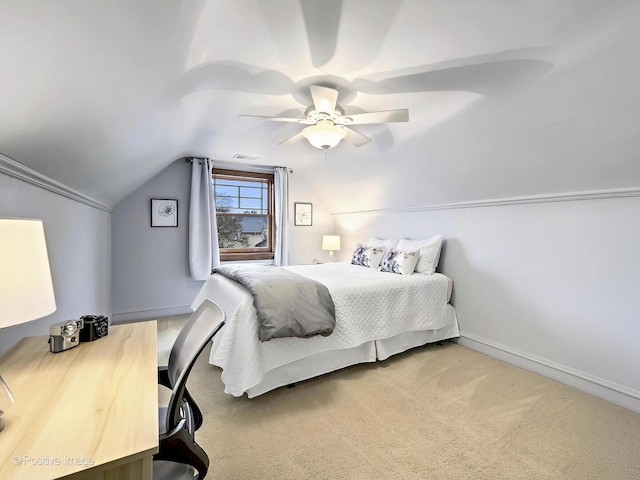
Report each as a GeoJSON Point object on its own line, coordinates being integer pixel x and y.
{"type": "Point", "coordinates": [202, 325]}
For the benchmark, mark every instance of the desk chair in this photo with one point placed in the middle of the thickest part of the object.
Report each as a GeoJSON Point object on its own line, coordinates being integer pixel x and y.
{"type": "Point", "coordinates": [179, 456]}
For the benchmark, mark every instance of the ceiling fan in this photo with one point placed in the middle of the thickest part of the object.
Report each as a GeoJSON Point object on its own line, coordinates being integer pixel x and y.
{"type": "Point", "coordinates": [328, 124]}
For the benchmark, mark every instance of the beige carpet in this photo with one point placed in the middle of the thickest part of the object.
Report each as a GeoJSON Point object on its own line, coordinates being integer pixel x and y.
{"type": "Point", "coordinates": [432, 413]}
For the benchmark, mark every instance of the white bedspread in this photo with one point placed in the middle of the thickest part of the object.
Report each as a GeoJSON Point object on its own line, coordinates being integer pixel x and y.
{"type": "Point", "coordinates": [370, 305]}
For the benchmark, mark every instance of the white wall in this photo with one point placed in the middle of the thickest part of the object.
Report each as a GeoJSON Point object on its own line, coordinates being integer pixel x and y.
{"type": "Point", "coordinates": [549, 286]}
{"type": "Point", "coordinates": [79, 244]}
{"type": "Point", "coordinates": [305, 242]}
{"type": "Point", "coordinates": [150, 265]}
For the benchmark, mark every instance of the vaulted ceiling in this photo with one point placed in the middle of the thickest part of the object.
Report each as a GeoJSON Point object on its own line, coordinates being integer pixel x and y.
{"type": "Point", "coordinates": [103, 94]}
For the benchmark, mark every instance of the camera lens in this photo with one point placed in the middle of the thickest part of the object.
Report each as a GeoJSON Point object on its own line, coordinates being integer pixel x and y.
{"type": "Point", "coordinates": [69, 328]}
{"type": "Point", "coordinates": [102, 329]}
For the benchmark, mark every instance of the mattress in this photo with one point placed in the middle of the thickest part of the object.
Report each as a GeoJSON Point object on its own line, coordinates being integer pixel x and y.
{"type": "Point", "coordinates": [370, 306]}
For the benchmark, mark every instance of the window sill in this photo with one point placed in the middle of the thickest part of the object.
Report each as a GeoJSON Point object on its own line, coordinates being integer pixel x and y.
{"type": "Point", "coordinates": [231, 262]}
{"type": "Point", "coordinates": [232, 257]}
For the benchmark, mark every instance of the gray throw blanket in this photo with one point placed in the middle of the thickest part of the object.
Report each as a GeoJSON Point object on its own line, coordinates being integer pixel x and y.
{"type": "Point", "coordinates": [287, 304]}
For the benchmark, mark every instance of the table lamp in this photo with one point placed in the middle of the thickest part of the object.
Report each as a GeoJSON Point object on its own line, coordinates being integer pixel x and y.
{"type": "Point", "coordinates": [331, 243]}
{"type": "Point", "coordinates": [26, 288]}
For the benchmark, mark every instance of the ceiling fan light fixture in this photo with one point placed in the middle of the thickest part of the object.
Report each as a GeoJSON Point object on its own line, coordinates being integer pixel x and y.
{"type": "Point", "coordinates": [325, 134]}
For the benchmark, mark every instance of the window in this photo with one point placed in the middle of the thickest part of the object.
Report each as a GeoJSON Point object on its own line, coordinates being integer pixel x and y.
{"type": "Point", "coordinates": [244, 213]}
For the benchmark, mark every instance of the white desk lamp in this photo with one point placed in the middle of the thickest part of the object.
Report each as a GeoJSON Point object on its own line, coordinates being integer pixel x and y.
{"type": "Point", "coordinates": [26, 288]}
{"type": "Point", "coordinates": [331, 243]}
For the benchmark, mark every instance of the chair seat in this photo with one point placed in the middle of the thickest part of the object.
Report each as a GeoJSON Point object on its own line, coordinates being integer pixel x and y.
{"type": "Point", "coordinates": [164, 470]}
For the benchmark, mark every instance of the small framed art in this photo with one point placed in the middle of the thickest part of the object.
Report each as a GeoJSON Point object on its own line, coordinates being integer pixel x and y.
{"type": "Point", "coordinates": [303, 214]}
{"type": "Point", "coordinates": [164, 212]}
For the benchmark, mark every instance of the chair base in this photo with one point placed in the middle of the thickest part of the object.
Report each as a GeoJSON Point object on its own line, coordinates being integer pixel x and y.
{"type": "Point", "coordinates": [179, 446]}
{"type": "Point", "coordinates": [165, 470]}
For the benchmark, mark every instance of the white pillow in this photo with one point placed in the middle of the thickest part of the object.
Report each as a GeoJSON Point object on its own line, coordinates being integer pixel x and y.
{"type": "Point", "coordinates": [387, 243]}
{"type": "Point", "coordinates": [399, 261]}
{"type": "Point", "coordinates": [429, 252]}
{"type": "Point", "coordinates": [367, 256]}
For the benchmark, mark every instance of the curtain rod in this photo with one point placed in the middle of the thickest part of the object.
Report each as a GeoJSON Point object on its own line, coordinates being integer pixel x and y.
{"type": "Point", "coordinates": [236, 165]}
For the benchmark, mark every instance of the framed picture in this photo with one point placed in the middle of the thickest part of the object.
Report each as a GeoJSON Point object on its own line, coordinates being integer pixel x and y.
{"type": "Point", "coordinates": [303, 214]}
{"type": "Point", "coordinates": [164, 212]}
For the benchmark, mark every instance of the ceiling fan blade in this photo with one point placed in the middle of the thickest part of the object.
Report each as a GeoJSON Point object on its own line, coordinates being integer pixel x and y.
{"type": "Point", "coordinates": [322, 20]}
{"type": "Point", "coordinates": [295, 138]}
{"type": "Point", "coordinates": [277, 119]}
{"type": "Point", "coordinates": [324, 99]}
{"type": "Point", "coordinates": [388, 116]}
{"type": "Point", "coordinates": [355, 138]}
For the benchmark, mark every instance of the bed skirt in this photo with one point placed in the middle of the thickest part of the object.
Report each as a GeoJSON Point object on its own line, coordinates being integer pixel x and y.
{"type": "Point", "coordinates": [332, 360]}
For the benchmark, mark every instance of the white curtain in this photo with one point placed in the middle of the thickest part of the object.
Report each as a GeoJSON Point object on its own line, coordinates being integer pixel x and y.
{"type": "Point", "coordinates": [281, 185]}
{"type": "Point", "coordinates": [204, 254]}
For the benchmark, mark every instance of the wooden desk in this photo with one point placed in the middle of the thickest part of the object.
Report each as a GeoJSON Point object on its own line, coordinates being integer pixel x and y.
{"type": "Point", "coordinates": [90, 412]}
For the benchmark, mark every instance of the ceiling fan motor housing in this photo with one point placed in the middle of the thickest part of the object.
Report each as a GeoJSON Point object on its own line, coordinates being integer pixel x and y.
{"type": "Point", "coordinates": [314, 116]}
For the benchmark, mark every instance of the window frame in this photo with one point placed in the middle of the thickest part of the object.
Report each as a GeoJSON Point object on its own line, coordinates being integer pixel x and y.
{"type": "Point", "coordinates": [250, 253]}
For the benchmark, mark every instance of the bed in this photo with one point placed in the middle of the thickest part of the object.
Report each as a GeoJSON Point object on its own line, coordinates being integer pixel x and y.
{"type": "Point", "coordinates": [378, 315]}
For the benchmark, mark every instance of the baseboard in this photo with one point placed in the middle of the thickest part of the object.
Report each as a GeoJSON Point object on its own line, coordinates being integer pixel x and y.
{"type": "Point", "coordinates": [598, 387]}
{"type": "Point", "coordinates": [127, 317]}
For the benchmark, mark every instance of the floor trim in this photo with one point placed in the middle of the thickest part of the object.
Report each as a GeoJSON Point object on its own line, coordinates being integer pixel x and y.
{"type": "Point", "coordinates": [598, 387]}
{"type": "Point", "coordinates": [126, 317]}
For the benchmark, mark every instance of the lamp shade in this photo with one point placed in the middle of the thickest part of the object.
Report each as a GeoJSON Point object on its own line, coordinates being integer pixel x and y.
{"type": "Point", "coordinates": [26, 288]}
{"type": "Point", "coordinates": [331, 242]}
{"type": "Point", "coordinates": [324, 134]}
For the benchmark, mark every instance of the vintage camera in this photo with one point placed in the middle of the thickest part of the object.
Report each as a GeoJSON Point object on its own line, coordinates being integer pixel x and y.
{"type": "Point", "coordinates": [65, 335]}
{"type": "Point", "coordinates": [95, 327]}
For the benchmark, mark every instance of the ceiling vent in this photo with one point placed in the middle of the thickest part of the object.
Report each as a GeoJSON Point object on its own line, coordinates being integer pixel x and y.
{"type": "Point", "coordinates": [242, 156]}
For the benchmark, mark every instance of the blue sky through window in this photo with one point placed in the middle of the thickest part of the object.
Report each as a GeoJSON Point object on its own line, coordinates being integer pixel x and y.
{"type": "Point", "coordinates": [241, 196]}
